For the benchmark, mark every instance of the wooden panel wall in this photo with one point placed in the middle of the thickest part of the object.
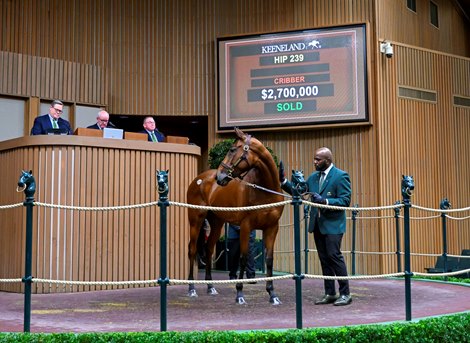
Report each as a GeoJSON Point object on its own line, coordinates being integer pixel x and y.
{"type": "Point", "coordinates": [32, 76]}
{"type": "Point", "coordinates": [415, 28]}
{"type": "Point", "coordinates": [427, 140]}
{"type": "Point", "coordinates": [95, 245]}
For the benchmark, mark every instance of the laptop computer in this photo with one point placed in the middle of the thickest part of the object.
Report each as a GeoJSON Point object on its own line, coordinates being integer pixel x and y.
{"type": "Point", "coordinates": [53, 131]}
{"type": "Point", "coordinates": [113, 133]}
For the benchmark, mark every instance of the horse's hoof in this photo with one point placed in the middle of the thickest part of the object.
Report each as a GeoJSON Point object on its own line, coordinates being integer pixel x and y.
{"type": "Point", "coordinates": [212, 291]}
{"type": "Point", "coordinates": [240, 301]}
{"type": "Point", "coordinates": [275, 301]}
{"type": "Point", "coordinates": [192, 293]}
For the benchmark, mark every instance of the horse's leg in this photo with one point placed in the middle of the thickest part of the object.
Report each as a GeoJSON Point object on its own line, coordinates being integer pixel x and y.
{"type": "Point", "coordinates": [244, 237]}
{"type": "Point", "coordinates": [216, 228]}
{"type": "Point", "coordinates": [269, 235]}
{"type": "Point", "coordinates": [195, 222]}
{"type": "Point", "coordinates": [240, 299]}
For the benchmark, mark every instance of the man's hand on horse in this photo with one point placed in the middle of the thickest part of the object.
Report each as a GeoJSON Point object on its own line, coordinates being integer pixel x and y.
{"type": "Point", "coordinates": [282, 175]}
{"type": "Point", "coordinates": [318, 199]}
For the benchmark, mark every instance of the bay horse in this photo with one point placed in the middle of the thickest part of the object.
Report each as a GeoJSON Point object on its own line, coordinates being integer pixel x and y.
{"type": "Point", "coordinates": [247, 162]}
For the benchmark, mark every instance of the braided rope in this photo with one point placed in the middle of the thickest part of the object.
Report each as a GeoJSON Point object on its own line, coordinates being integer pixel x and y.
{"type": "Point", "coordinates": [243, 208]}
{"type": "Point", "coordinates": [461, 256]}
{"type": "Point", "coordinates": [342, 208]}
{"type": "Point", "coordinates": [284, 252]}
{"type": "Point", "coordinates": [273, 278]}
{"type": "Point", "coordinates": [376, 252]}
{"type": "Point", "coordinates": [220, 282]}
{"type": "Point", "coordinates": [10, 280]}
{"type": "Point", "coordinates": [98, 283]}
{"type": "Point", "coordinates": [423, 254]}
{"type": "Point", "coordinates": [106, 208]}
{"type": "Point", "coordinates": [463, 271]}
{"type": "Point", "coordinates": [439, 210]}
{"type": "Point", "coordinates": [425, 218]}
{"type": "Point", "coordinates": [380, 217]}
{"type": "Point", "coordinates": [5, 207]}
{"type": "Point", "coordinates": [354, 277]}
{"type": "Point", "coordinates": [457, 218]}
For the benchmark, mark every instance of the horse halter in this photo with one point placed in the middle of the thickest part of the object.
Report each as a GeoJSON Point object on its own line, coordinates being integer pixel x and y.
{"type": "Point", "coordinates": [231, 167]}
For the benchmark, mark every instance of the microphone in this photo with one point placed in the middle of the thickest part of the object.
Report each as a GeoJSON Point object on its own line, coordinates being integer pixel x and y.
{"type": "Point", "coordinates": [110, 124]}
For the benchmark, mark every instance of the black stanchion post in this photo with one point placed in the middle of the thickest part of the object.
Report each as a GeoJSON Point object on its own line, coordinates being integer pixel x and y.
{"type": "Point", "coordinates": [353, 244]}
{"type": "Point", "coordinates": [296, 201]}
{"type": "Point", "coordinates": [407, 187]}
{"type": "Point", "coordinates": [163, 281]}
{"type": "Point", "coordinates": [397, 234]}
{"type": "Point", "coordinates": [225, 245]}
{"type": "Point", "coordinates": [445, 205]}
{"type": "Point", "coordinates": [28, 184]}
{"type": "Point", "coordinates": [306, 219]}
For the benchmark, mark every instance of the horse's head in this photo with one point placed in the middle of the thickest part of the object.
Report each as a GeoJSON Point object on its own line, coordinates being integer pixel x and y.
{"type": "Point", "coordinates": [407, 186]}
{"type": "Point", "coordinates": [298, 181]}
{"type": "Point", "coordinates": [27, 183]}
{"type": "Point", "coordinates": [162, 181]}
{"type": "Point", "coordinates": [237, 161]}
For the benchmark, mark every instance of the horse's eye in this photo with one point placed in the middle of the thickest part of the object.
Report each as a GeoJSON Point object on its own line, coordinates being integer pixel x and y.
{"type": "Point", "coordinates": [233, 149]}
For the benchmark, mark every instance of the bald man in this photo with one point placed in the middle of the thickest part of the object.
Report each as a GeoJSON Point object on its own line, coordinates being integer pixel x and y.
{"type": "Point", "coordinates": [102, 121]}
{"type": "Point", "coordinates": [329, 186]}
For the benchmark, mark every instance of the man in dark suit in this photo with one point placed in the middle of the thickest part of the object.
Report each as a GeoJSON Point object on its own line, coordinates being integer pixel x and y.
{"type": "Point", "coordinates": [233, 244]}
{"type": "Point", "coordinates": [150, 129]}
{"type": "Point", "coordinates": [329, 186]}
{"type": "Point", "coordinates": [102, 121]}
{"type": "Point", "coordinates": [46, 123]}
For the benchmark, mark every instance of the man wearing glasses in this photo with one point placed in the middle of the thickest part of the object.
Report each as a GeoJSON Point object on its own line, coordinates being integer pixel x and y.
{"type": "Point", "coordinates": [52, 123]}
{"type": "Point", "coordinates": [151, 130]}
{"type": "Point", "coordinates": [102, 121]}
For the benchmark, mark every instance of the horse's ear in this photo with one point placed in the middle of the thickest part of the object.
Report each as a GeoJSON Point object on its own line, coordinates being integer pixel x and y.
{"type": "Point", "coordinates": [240, 133]}
{"type": "Point", "coordinates": [167, 171]}
{"type": "Point", "coordinates": [31, 172]}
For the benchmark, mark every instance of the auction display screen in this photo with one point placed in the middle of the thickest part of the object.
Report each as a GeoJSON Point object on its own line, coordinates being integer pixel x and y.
{"type": "Point", "coordinates": [290, 79]}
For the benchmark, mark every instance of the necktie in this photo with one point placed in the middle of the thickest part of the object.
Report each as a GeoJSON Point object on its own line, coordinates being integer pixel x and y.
{"type": "Point", "coordinates": [322, 178]}
{"type": "Point", "coordinates": [152, 135]}
{"type": "Point", "coordinates": [54, 124]}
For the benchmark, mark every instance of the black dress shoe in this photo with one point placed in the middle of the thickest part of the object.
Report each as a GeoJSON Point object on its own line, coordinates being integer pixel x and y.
{"type": "Point", "coordinates": [327, 299]}
{"type": "Point", "coordinates": [343, 300]}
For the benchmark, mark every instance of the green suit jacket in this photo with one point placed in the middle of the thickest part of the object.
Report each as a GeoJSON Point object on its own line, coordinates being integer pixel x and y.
{"type": "Point", "coordinates": [337, 190]}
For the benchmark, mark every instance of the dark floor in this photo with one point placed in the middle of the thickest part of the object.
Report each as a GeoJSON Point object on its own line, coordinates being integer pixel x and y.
{"type": "Point", "coordinates": [374, 301]}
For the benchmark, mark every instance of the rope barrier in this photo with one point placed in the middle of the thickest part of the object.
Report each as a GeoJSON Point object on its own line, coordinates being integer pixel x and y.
{"type": "Point", "coordinates": [261, 279]}
{"type": "Point", "coordinates": [249, 208]}
{"type": "Point", "coordinates": [5, 207]}
{"type": "Point", "coordinates": [341, 208]}
{"type": "Point", "coordinates": [106, 208]}
{"type": "Point", "coordinates": [95, 283]}
{"type": "Point", "coordinates": [11, 280]}
{"type": "Point", "coordinates": [439, 210]}
{"type": "Point", "coordinates": [457, 218]}
{"type": "Point", "coordinates": [244, 208]}
{"type": "Point", "coordinates": [463, 271]}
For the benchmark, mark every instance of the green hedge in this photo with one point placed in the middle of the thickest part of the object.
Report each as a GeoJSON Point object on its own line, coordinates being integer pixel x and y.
{"type": "Point", "coordinates": [452, 328]}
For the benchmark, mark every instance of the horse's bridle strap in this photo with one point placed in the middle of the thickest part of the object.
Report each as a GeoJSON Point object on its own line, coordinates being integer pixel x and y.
{"type": "Point", "coordinates": [231, 168]}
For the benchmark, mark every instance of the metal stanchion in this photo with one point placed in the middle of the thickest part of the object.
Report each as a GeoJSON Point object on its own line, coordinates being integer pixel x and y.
{"type": "Point", "coordinates": [353, 244]}
{"type": "Point", "coordinates": [163, 281]}
{"type": "Point", "coordinates": [28, 183]}
{"type": "Point", "coordinates": [444, 205]}
{"type": "Point", "coordinates": [397, 235]}
{"type": "Point", "coordinates": [407, 187]}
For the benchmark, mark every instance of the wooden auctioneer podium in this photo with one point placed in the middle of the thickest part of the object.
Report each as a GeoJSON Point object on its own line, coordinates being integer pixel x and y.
{"type": "Point", "coordinates": [85, 170]}
{"type": "Point", "coordinates": [82, 131]}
